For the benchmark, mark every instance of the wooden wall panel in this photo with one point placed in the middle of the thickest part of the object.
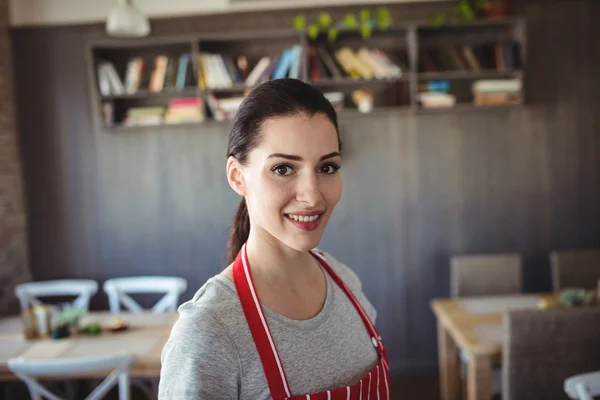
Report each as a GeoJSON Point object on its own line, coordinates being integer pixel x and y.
{"type": "Point", "coordinates": [416, 188]}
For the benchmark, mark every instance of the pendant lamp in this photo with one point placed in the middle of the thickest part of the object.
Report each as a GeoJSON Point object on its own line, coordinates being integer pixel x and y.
{"type": "Point", "coordinates": [125, 20]}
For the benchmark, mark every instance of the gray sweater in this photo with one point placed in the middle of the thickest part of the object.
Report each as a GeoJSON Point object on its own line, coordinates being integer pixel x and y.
{"type": "Point", "coordinates": [211, 354]}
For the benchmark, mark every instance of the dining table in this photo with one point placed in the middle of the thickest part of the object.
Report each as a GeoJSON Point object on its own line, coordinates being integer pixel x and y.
{"type": "Point", "coordinates": [473, 326]}
{"type": "Point", "coordinates": [144, 337]}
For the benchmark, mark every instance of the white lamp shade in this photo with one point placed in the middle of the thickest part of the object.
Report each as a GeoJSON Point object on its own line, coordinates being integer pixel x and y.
{"type": "Point", "coordinates": [125, 20]}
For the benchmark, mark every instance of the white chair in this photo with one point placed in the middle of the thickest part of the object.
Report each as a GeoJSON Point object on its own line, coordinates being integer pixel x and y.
{"type": "Point", "coordinates": [27, 369]}
{"type": "Point", "coordinates": [84, 289]}
{"type": "Point", "coordinates": [584, 386]}
{"type": "Point", "coordinates": [117, 290]}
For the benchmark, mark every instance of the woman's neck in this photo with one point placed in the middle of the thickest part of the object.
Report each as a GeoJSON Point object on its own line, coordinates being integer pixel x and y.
{"type": "Point", "coordinates": [274, 263]}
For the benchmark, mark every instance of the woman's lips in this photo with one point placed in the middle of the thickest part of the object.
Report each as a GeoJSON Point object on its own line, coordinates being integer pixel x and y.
{"type": "Point", "coordinates": [305, 220]}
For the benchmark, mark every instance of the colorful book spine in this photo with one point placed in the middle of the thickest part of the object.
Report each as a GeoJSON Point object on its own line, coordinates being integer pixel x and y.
{"type": "Point", "coordinates": [184, 62]}
{"type": "Point", "coordinates": [283, 67]}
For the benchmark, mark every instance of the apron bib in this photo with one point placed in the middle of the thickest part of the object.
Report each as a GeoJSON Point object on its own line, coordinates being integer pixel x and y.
{"type": "Point", "coordinates": [375, 385]}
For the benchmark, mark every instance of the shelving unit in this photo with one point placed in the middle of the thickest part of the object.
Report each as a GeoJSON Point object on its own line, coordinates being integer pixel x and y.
{"type": "Point", "coordinates": [407, 42]}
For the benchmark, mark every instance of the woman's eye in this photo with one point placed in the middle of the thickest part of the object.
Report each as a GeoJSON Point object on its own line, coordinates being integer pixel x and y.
{"type": "Point", "coordinates": [282, 170]}
{"type": "Point", "coordinates": [329, 169]}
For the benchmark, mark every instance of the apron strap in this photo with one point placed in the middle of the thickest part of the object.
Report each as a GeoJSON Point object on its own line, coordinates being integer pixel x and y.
{"type": "Point", "coordinates": [259, 328]}
{"type": "Point", "coordinates": [375, 338]}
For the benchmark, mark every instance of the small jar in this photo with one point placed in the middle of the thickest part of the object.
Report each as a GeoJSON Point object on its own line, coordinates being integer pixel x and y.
{"type": "Point", "coordinates": [29, 323]}
{"type": "Point", "coordinates": [43, 319]}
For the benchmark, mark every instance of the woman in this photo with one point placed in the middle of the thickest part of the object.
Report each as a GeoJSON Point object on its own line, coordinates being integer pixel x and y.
{"type": "Point", "coordinates": [281, 321]}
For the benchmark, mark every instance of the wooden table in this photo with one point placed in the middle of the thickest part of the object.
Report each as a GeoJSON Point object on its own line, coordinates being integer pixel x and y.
{"type": "Point", "coordinates": [145, 338]}
{"type": "Point", "coordinates": [473, 325]}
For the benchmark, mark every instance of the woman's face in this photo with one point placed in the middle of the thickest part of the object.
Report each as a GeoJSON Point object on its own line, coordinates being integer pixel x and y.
{"type": "Point", "coordinates": [292, 181]}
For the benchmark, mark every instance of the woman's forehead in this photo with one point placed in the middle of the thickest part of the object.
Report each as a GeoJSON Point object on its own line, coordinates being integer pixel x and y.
{"type": "Point", "coordinates": [299, 133]}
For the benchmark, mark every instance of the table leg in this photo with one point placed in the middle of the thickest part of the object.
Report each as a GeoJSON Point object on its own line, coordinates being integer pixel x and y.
{"type": "Point", "coordinates": [448, 365]}
{"type": "Point", "coordinates": [479, 378]}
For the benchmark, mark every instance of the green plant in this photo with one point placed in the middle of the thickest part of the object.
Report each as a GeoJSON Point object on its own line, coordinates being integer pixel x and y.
{"type": "Point", "coordinates": [364, 22]}
{"type": "Point", "coordinates": [572, 297]}
{"type": "Point", "coordinates": [464, 11]}
{"type": "Point", "coordinates": [69, 316]}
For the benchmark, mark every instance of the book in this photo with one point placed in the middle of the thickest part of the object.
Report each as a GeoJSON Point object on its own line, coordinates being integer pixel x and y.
{"type": "Point", "coordinates": [295, 62]}
{"type": "Point", "coordinates": [345, 58]}
{"type": "Point", "coordinates": [394, 69]}
{"type": "Point", "coordinates": [470, 58]}
{"type": "Point", "coordinates": [133, 75]}
{"type": "Point", "coordinates": [257, 71]}
{"type": "Point", "coordinates": [497, 86]}
{"type": "Point", "coordinates": [157, 80]}
{"type": "Point", "coordinates": [103, 81]}
{"type": "Point", "coordinates": [171, 73]}
{"type": "Point", "coordinates": [266, 75]}
{"type": "Point", "coordinates": [184, 110]}
{"type": "Point", "coordinates": [332, 68]}
{"type": "Point", "coordinates": [231, 68]}
{"type": "Point", "coordinates": [109, 81]}
{"type": "Point", "coordinates": [180, 80]}
{"type": "Point", "coordinates": [281, 70]}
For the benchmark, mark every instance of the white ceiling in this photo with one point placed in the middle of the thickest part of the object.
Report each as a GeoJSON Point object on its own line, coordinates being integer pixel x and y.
{"type": "Point", "coordinates": [65, 12]}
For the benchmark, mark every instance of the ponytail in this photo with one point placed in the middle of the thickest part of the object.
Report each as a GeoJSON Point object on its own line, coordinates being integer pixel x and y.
{"type": "Point", "coordinates": [240, 229]}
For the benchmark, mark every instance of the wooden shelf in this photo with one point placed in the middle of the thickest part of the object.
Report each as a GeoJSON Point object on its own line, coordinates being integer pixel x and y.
{"type": "Point", "coordinates": [467, 107]}
{"type": "Point", "coordinates": [480, 23]}
{"type": "Point", "coordinates": [397, 95]}
{"type": "Point", "coordinates": [134, 128]}
{"type": "Point", "coordinates": [468, 75]}
{"type": "Point", "coordinates": [236, 87]}
{"type": "Point", "coordinates": [146, 94]}
{"type": "Point", "coordinates": [354, 82]}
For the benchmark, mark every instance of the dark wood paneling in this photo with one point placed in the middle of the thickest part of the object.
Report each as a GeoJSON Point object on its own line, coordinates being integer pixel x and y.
{"type": "Point", "coordinates": [416, 188]}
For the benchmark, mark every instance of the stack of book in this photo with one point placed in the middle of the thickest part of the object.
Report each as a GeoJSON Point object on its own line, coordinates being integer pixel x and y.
{"type": "Point", "coordinates": [436, 94]}
{"type": "Point", "coordinates": [498, 56]}
{"type": "Point", "coordinates": [497, 92]}
{"type": "Point", "coordinates": [363, 63]}
{"type": "Point", "coordinates": [144, 116]}
{"type": "Point", "coordinates": [185, 110]}
{"type": "Point", "coordinates": [217, 71]}
{"type": "Point", "coordinates": [224, 108]}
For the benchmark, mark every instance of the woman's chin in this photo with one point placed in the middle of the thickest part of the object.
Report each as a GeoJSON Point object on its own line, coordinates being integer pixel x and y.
{"type": "Point", "coordinates": [305, 242]}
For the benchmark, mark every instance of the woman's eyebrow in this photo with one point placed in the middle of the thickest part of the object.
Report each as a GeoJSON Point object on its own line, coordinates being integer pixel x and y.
{"type": "Point", "coordinates": [298, 158]}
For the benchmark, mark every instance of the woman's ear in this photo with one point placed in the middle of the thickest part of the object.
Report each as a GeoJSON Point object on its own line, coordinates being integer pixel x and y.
{"type": "Point", "coordinates": [235, 176]}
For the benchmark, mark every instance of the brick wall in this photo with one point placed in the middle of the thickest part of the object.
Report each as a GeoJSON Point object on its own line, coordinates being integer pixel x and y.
{"type": "Point", "coordinates": [13, 238]}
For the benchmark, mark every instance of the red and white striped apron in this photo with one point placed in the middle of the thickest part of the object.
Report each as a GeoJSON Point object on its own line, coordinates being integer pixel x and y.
{"type": "Point", "coordinates": [374, 386]}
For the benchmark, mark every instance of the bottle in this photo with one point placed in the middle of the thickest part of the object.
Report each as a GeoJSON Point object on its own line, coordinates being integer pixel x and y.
{"type": "Point", "coordinates": [29, 323]}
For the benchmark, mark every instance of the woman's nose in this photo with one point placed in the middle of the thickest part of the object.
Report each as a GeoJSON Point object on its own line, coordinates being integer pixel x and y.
{"type": "Point", "coordinates": [308, 190]}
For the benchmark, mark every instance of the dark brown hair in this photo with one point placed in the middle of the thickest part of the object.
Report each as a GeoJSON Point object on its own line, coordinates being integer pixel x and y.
{"type": "Point", "coordinates": [272, 99]}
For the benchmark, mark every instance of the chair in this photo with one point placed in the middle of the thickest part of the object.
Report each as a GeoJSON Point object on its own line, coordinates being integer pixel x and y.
{"type": "Point", "coordinates": [84, 289]}
{"type": "Point", "coordinates": [542, 348]}
{"type": "Point", "coordinates": [480, 275]}
{"type": "Point", "coordinates": [27, 369]}
{"type": "Point", "coordinates": [584, 386]}
{"type": "Point", "coordinates": [575, 269]}
{"type": "Point", "coordinates": [484, 275]}
{"type": "Point", "coordinates": [117, 290]}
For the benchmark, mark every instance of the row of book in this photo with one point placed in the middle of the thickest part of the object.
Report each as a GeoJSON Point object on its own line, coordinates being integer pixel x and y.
{"type": "Point", "coordinates": [364, 63]}
{"type": "Point", "coordinates": [159, 74]}
{"type": "Point", "coordinates": [497, 56]}
{"type": "Point", "coordinates": [218, 71]}
{"type": "Point", "coordinates": [436, 94]}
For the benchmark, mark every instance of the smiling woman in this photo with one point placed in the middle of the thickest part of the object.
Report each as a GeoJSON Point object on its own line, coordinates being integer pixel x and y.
{"type": "Point", "coordinates": [283, 320]}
